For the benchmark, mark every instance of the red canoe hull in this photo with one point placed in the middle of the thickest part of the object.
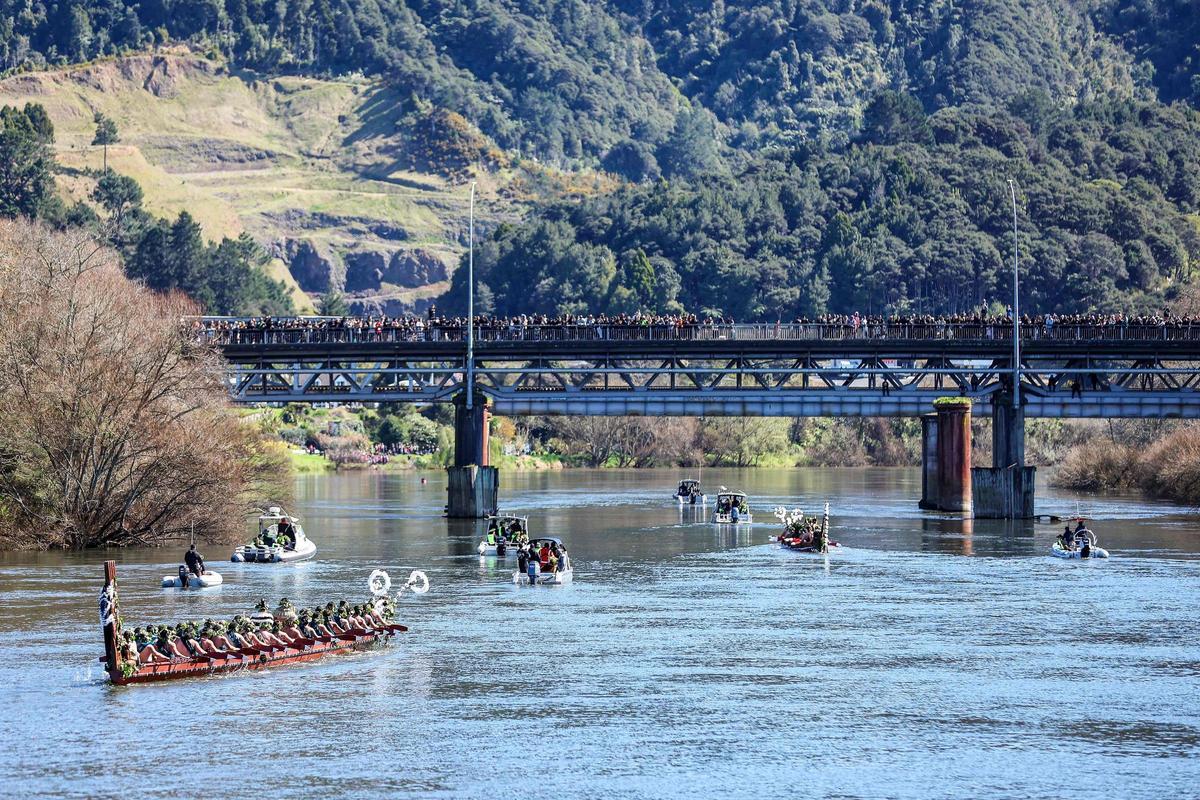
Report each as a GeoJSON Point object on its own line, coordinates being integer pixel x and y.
{"type": "Point", "coordinates": [192, 668]}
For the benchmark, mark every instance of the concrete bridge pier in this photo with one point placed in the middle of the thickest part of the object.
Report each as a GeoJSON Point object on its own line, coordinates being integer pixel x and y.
{"type": "Point", "coordinates": [1006, 489]}
{"type": "Point", "coordinates": [473, 486]}
{"type": "Point", "coordinates": [929, 463]}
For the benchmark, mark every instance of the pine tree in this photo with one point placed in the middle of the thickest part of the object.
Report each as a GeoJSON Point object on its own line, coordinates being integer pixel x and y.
{"type": "Point", "coordinates": [106, 134]}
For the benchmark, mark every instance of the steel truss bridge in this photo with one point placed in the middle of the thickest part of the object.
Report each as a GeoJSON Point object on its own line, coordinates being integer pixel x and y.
{"type": "Point", "coordinates": [764, 372]}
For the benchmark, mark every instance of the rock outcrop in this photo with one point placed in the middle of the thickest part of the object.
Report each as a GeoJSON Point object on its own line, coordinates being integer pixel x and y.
{"type": "Point", "coordinates": [365, 271]}
{"type": "Point", "coordinates": [315, 267]}
{"type": "Point", "coordinates": [414, 268]}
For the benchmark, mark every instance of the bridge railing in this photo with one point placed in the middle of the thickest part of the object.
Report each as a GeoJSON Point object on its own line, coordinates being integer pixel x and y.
{"type": "Point", "coordinates": [230, 331]}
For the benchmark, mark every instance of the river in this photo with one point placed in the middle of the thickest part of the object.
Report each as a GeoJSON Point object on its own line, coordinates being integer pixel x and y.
{"type": "Point", "coordinates": [928, 657]}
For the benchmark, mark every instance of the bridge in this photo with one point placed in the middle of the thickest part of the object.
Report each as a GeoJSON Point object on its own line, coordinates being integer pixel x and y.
{"type": "Point", "coordinates": [756, 370]}
{"type": "Point", "coordinates": [1065, 371]}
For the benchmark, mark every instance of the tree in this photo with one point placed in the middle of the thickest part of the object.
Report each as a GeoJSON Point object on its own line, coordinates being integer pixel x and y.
{"type": "Point", "coordinates": [893, 117]}
{"type": "Point", "coordinates": [691, 148]}
{"type": "Point", "coordinates": [40, 121]}
{"type": "Point", "coordinates": [185, 265]}
{"type": "Point", "coordinates": [26, 183]}
{"type": "Point", "coordinates": [119, 195]}
{"type": "Point", "coordinates": [333, 304]}
{"type": "Point", "coordinates": [743, 441]}
{"type": "Point", "coordinates": [115, 428]}
{"type": "Point", "coordinates": [633, 160]}
{"type": "Point", "coordinates": [106, 134]}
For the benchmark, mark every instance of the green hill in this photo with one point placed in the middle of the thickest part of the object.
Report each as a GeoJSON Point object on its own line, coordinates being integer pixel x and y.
{"type": "Point", "coordinates": [348, 201]}
{"type": "Point", "coordinates": [824, 154]}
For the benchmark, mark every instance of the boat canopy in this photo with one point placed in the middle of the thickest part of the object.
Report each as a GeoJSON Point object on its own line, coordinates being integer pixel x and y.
{"type": "Point", "coordinates": [689, 483]}
{"type": "Point", "coordinates": [731, 495]}
{"type": "Point", "coordinates": [275, 513]}
{"type": "Point", "coordinates": [545, 540]}
{"type": "Point", "coordinates": [507, 521]}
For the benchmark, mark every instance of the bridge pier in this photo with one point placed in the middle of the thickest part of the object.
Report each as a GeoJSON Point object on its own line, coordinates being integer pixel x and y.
{"type": "Point", "coordinates": [1006, 489]}
{"type": "Point", "coordinates": [954, 457]}
{"type": "Point", "coordinates": [473, 487]}
{"type": "Point", "coordinates": [946, 458]}
{"type": "Point", "coordinates": [929, 463]}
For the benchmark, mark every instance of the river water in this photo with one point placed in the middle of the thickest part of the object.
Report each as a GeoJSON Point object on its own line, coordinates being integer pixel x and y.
{"type": "Point", "coordinates": [928, 657]}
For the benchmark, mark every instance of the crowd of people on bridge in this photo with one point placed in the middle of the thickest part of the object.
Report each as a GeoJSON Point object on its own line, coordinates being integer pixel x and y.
{"type": "Point", "coordinates": [435, 327]}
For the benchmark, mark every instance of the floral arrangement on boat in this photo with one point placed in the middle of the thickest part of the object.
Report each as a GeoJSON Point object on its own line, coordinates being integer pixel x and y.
{"type": "Point", "coordinates": [804, 533]}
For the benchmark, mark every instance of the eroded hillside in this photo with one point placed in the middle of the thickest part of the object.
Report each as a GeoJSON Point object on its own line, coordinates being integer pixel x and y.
{"type": "Point", "coordinates": [335, 177]}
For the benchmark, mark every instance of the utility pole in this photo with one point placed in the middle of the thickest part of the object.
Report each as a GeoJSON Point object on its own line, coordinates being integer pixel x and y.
{"type": "Point", "coordinates": [471, 302]}
{"type": "Point", "coordinates": [1016, 395]}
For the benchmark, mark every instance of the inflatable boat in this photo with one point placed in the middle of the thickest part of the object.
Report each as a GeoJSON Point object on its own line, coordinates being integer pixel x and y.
{"type": "Point", "coordinates": [186, 580]}
{"type": "Point", "coordinates": [1083, 546]}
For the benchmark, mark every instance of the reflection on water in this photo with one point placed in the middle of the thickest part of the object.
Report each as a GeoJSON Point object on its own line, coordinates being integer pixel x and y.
{"type": "Point", "coordinates": [929, 656]}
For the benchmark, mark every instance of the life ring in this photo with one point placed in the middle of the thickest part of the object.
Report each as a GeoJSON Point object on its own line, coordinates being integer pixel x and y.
{"type": "Point", "coordinates": [379, 583]}
{"type": "Point", "coordinates": [417, 581]}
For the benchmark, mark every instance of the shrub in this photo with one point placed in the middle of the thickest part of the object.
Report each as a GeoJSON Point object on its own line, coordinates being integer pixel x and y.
{"type": "Point", "coordinates": [1096, 466]}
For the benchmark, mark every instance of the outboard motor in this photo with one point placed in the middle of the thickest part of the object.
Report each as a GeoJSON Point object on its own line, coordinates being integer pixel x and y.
{"type": "Point", "coordinates": [1085, 546]}
{"type": "Point", "coordinates": [693, 500]}
{"type": "Point", "coordinates": [501, 547]}
{"type": "Point", "coordinates": [183, 576]}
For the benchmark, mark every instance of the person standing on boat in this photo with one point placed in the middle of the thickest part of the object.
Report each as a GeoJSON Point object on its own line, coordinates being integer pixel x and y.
{"type": "Point", "coordinates": [194, 561]}
{"type": "Point", "coordinates": [285, 533]}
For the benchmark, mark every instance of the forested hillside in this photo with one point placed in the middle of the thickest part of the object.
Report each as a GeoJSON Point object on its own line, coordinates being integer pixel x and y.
{"type": "Point", "coordinates": [572, 79]}
{"type": "Point", "coordinates": [914, 216]}
{"type": "Point", "coordinates": [780, 157]}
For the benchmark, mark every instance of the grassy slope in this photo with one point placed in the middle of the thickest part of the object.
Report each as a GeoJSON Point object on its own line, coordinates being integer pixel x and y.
{"type": "Point", "coordinates": [280, 158]}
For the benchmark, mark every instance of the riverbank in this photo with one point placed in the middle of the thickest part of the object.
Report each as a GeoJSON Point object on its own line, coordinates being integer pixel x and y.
{"type": "Point", "coordinates": [1165, 467]}
{"type": "Point", "coordinates": [304, 463]}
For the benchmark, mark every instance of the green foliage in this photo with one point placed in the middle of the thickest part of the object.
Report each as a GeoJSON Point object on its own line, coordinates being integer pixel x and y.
{"type": "Point", "coordinates": [408, 429]}
{"type": "Point", "coordinates": [26, 181]}
{"type": "Point", "coordinates": [106, 130]}
{"type": "Point", "coordinates": [225, 278]}
{"type": "Point", "coordinates": [919, 225]}
{"type": "Point", "coordinates": [121, 197]}
{"type": "Point", "coordinates": [333, 304]}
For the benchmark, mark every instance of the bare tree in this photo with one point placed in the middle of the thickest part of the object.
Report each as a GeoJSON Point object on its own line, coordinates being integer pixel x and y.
{"type": "Point", "coordinates": [743, 441]}
{"type": "Point", "coordinates": [115, 426]}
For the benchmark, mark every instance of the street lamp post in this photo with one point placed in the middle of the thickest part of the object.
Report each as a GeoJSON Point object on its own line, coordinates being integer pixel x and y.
{"type": "Point", "coordinates": [471, 302]}
{"type": "Point", "coordinates": [1012, 190]}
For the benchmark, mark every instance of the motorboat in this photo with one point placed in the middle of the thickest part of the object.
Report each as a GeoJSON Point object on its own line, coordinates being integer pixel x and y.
{"type": "Point", "coordinates": [1081, 545]}
{"type": "Point", "coordinates": [689, 494]}
{"type": "Point", "coordinates": [504, 531]}
{"type": "Point", "coordinates": [186, 580]}
{"type": "Point", "coordinates": [563, 574]}
{"type": "Point", "coordinates": [732, 509]}
{"type": "Point", "coordinates": [803, 534]}
{"type": "Point", "coordinates": [273, 546]}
